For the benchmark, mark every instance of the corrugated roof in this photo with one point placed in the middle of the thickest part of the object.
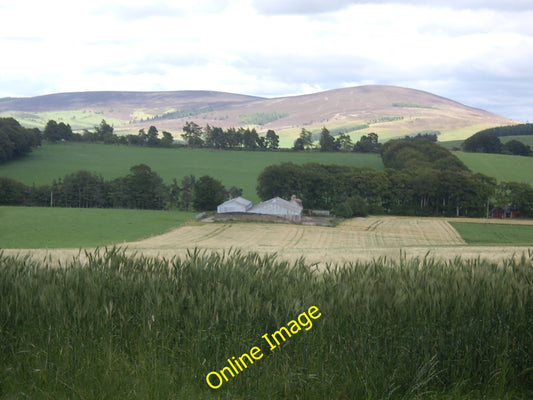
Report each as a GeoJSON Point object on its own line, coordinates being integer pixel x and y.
{"type": "Point", "coordinates": [279, 202]}
{"type": "Point", "coordinates": [239, 200]}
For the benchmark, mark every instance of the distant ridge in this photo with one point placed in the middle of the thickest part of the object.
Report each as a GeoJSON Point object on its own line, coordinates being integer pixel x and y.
{"type": "Point", "coordinates": [389, 111]}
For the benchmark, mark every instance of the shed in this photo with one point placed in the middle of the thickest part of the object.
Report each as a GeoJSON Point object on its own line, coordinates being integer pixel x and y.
{"type": "Point", "coordinates": [236, 205]}
{"type": "Point", "coordinates": [279, 207]}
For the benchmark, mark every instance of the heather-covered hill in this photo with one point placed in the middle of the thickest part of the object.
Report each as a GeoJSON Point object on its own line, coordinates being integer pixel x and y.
{"type": "Point", "coordinates": [387, 110]}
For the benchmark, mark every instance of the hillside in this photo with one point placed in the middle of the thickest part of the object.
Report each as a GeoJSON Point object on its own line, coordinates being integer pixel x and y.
{"type": "Point", "coordinates": [387, 110]}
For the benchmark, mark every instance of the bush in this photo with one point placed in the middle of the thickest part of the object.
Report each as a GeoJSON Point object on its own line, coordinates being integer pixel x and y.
{"type": "Point", "coordinates": [354, 206]}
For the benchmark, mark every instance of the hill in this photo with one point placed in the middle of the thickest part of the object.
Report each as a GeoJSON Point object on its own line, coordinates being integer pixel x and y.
{"type": "Point", "coordinates": [387, 110]}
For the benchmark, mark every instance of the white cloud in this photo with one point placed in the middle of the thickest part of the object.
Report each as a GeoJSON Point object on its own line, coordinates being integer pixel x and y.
{"type": "Point", "coordinates": [477, 52]}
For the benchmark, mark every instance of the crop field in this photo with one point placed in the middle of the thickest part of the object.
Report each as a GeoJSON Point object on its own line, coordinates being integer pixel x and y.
{"type": "Point", "coordinates": [118, 326]}
{"type": "Point", "coordinates": [233, 168]}
{"type": "Point", "coordinates": [352, 240]}
{"type": "Point", "coordinates": [44, 227]}
{"type": "Point", "coordinates": [408, 307]}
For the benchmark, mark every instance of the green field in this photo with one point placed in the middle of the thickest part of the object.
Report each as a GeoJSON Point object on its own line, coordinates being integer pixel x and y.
{"type": "Point", "coordinates": [121, 327]}
{"type": "Point", "coordinates": [233, 168]}
{"type": "Point", "coordinates": [37, 227]}
{"type": "Point", "coordinates": [499, 166]}
{"type": "Point", "coordinates": [476, 233]}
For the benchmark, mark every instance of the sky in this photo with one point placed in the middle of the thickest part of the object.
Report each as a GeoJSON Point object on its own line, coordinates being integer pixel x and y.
{"type": "Point", "coordinates": [476, 52]}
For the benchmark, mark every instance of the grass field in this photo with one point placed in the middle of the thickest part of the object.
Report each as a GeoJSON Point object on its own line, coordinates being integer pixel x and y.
{"type": "Point", "coordinates": [36, 227]}
{"type": "Point", "coordinates": [233, 168]}
{"type": "Point", "coordinates": [499, 166]}
{"type": "Point", "coordinates": [122, 327]}
{"type": "Point", "coordinates": [474, 233]}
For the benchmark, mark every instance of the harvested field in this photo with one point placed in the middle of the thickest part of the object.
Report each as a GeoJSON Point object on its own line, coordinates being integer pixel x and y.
{"type": "Point", "coordinates": [352, 240]}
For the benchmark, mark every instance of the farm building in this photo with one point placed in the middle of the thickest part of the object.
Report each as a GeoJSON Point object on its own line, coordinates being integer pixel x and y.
{"type": "Point", "coordinates": [504, 212]}
{"type": "Point", "coordinates": [290, 210]}
{"type": "Point", "coordinates": [236, 205]}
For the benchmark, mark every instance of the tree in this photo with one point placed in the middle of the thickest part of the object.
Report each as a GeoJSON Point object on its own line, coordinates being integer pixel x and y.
{"type": "Point", "coordinates": [519, 196]}
{"type": "Point", "coordinates": [233, 138]}
{"type": "Point", "coordinates": [142, 137]}
{"type": "Point", "coordinates": [352, 207]}
{"type": "Point", "coordinates": [215, 137]}
{"type": "Point", "coordinates": [250, 139]}
{"type": "Point", "coordinates": [12, 192]}
{"type": "Point", "coordinates": [152, 137]}
{"type": "Point", "coordinates": [272, 140]}
{"type": "Point", "coordinates": [208, 193]}
{"type": "Point", "coordinates": [145, 188]}
{"type": "Point", "coordinates": [167, 139]}
{"type": "Point", "coordinates": [104, 132]}
{"type": "Point", "coordinates": [192, 134]}
{"type": "Point", "coordinates": [16, 141]}
{"type": "Point", "coordinates": [367, 144]}
{"type": "Point", "coordinates": [187, 192]}
{"type": "Point", "coordinates": [54, 132]}
{"type": "Point", "coordinates": [83, 189]}
{"type": "Point", "coordinates": [304, 142]}
{"type": "Point", "coordinates": [516, 148]}
{"type": "Point", "coordinates": [327, 142]}
{"type": "Point", "coordinates": [483, 143]}
{"type": "Point", "coordinates": [344, 142]}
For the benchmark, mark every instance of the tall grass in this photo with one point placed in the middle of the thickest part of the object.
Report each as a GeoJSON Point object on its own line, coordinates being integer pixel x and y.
{"type": "Point", "coordinates": [129, 326]}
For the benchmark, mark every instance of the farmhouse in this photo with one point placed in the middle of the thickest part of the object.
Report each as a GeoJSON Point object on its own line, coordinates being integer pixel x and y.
{"type": "Point", "coordinates": [236, 205]}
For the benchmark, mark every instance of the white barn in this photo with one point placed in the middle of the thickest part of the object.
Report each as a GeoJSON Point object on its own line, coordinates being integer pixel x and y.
{"type": "Point", "coordinates": [279, 207]}
{"type": "Point", "coordinates": [236, 205]}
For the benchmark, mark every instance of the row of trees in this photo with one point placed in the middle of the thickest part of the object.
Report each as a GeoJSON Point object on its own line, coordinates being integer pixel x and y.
{"type": "Point", "coordinates": [420, 178]}
{"type": "Point", "coordinates": [488, 143]}
{"type": "Point", "coordinates": [231, 138]}
{"type": "Point", "coordinates": [15, 140]}
{"type": "Point", "coordinates": [142, 188]}
{"type": "Point", "coordinates": [104, 133]}
{"type": "Point", "coordinates": [341, 142]}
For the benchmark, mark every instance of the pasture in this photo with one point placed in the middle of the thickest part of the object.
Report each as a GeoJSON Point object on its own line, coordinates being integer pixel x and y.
{"type": "Point", "coordinates": [38, 227]}
{"type": "Point", "coordinates": [502, 167]}
{"type": "Point", "coordinates": [495, 233]}
{"type": "Point", "coordinates": [233, 168]}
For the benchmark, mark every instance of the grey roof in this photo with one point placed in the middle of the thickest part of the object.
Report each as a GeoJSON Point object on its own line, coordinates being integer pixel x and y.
{"type": "Point", "coordinates": [277, 201]}
{"type": "Point", "coordinates": [239, 200]}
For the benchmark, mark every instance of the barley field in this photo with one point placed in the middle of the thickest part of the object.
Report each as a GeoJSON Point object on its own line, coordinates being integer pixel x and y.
{"type": "Point", "coordinates": [117, 326]}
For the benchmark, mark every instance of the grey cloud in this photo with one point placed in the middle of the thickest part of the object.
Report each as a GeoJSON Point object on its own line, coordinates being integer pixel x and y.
{"type": "Point", "coordinates": [276, 7]}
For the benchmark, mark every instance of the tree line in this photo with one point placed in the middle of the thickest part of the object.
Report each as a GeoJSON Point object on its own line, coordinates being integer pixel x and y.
{"type": "Point", "coordinates": [488, 141]}
{"type": "Point", "coordinates": [142, 188]}
{"type": "Point", "coordinates": [104, 133]}
{"type": "Point", "coordinates": [232, 138]}
{"type": "Point", "coordinates": [420, 178]}
{"type": "Point", "coordinates": [15, 140]}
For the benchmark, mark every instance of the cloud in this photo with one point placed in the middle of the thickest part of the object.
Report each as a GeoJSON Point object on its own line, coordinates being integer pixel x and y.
{"type": "Point", "coordinates": [146, 9]}
{"type": "Point", "coordinates": [279, 7]}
